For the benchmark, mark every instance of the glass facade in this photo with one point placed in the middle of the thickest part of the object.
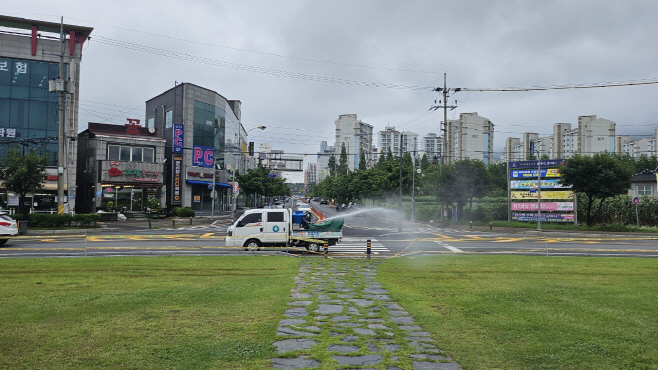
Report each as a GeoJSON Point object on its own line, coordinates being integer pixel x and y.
{"type": "Point", "coordinates": [27, 109]}
{"type": "Point", "coordinates": [210, 129]}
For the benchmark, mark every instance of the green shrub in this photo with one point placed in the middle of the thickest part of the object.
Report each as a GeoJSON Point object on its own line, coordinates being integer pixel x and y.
{"type": "Point", "coordinates": [186, 212]}
{"type": "Point", "coordinates": [176, 211]}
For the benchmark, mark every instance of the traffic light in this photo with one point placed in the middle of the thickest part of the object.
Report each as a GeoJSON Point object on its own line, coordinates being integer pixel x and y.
{"type": "Point", "coordinates": [251, 148]}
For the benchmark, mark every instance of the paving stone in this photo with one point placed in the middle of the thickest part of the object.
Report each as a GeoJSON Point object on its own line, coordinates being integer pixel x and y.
{"type": "Point", "coordinates": [294, 363]}
{"type": "Point", "coordinates": [344, 290]}
{"type": "Point", "coordinates": [420, 339]}
{"type": "Point", "coordinates": [345, 296]}
{"type": "Point", "coordinates": [323, 296]}
{"type": "Point", "coordinates": [333, 335]}
{"type": "Point", "coordinates": [424, 356]}
{"type": "Point", "coordinates": [285, 331]}
{"type": "Point", "coordinates": [321, 317]}
{"type": "Point", "coordinates": [294, 344]}
{"type": "Point", "coordinates": [364, 331]}
{"type": "Point", "coordinates": [350, 338]}
{"type": "Point", "coordinates": [375, 291]}
{"type": "Point", "coordinates": [393, 367]}
{"type": "Point", "coordinates": [343, 348]}
{"type": "Point", "coordinates": [362, 302]}
{"type": "Point", "coordinates": [381, 297]}
{"type": "Point", "coordinates": [348, 324]}
{"type": "Point", "coordinates": [311, 328]}
{"type": "Point", "coordinates": [296, 312]}
{"type": "Point", "coordinates": [373, 347]}
{"type": "Point", "coordinates": [329, 308]}
{"type": "Point", "coordinates": [420, 345]}
{"type": "Point", "coordinates": [410, 327]}
{"type": "Point", "coordinates": [402, 319]}
{"type": "Point", "coordinates": [372, 314]}
{"type": "Point", "coordinates": [300, 295]}
{"type": "Point", "coordinates": [299, 303]}
{"type": "Point", "coordinates": [353, 311]}
{"type": "Point", "coordinates": [358, 360]}
{"type": "Point", "coordinates": [398, 313]}
{"type": "Point", "coordinates": [393, 306]}
{"type": "Point", "coordinates": [391, 347]}
{"type": "Point", "coordinates": [341, 318]}
{"type": "Point", "coordinates": [377, 326]}
{"type": "Point", "coordinates": [435, 365]}
{"type": "Point", "coordinates": [419, 334]}
{"type": "Point", "coordinates": [291, 322]}
{"type": "Point", "coordinates": [372, 320]}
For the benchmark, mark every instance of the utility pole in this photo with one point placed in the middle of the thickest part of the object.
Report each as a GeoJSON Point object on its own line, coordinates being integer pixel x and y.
{"type": "Point", "coordinates": [444, 104]}
{"type": "Point", "coordinates": [60, 138]}
{"type": "Point", "coordinates": [413, 180]}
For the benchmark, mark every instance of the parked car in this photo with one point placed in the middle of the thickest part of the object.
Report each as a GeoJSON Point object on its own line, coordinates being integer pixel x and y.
{"type": "Point", "coordinates": [8, 227]}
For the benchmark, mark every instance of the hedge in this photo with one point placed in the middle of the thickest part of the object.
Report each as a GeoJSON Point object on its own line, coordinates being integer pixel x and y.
{"type": "Point", "coordinates": [63, 220]}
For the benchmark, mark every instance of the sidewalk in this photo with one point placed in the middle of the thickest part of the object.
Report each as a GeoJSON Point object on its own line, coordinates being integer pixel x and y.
{"type": "Point", "coordinates": [345, 318]}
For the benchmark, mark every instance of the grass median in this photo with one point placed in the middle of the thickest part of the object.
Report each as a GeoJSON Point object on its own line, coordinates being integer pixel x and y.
{"type": "Point", "coordinates": [517, 312]}
{"type": "Point", "coordinates": [142, 312]}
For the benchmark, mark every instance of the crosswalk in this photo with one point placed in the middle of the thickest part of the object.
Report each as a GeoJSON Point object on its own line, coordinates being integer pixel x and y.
{"type": "Point", "coordinates": [351, 245]}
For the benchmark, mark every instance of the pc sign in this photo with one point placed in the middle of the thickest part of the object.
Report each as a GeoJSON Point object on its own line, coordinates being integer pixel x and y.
{"type": "Point", "coordinates": [203, 156]}
{"type": "Point", "coordinates": [178, 138]}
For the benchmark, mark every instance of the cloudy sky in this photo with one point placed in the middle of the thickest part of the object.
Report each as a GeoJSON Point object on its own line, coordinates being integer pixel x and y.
{"type": "Point", "coordinates": [297, 65]}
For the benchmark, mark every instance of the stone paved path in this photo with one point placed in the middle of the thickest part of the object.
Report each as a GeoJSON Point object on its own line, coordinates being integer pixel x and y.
{"type": "Point", "coordinates": [339, 317]}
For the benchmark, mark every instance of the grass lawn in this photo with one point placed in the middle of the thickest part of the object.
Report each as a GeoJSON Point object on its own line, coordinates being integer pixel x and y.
{"type": "Point", "coordinates": [142, 312]}
{"type": "Point", "coordinates": [517, 312]}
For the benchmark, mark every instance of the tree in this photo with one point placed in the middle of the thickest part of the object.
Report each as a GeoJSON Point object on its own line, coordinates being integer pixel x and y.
{"type": "Point", "coordinates": [424, 162]}
{"type": "Point", "coordinates": [342, 161]}
{"type": "Point", "coordinates": [23, 174]}
{"type": "Point", "coordinates": [497, 179]}
{"type": "Point", "coordinates": [599, 176]}
{"type": "Point", "coordinates": [362, 161]}
{"type": "Point", "coordinates": [332, 165]}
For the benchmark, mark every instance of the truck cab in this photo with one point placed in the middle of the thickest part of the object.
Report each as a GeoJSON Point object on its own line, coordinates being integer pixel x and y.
{"type": "Point", "coordinates": [258, 228]}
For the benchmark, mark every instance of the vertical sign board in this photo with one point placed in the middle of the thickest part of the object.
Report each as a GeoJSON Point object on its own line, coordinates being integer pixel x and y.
{"type": "Point", "coordinates": [179, 135]}
{"type": "Point", "coordinates": [178, 169]}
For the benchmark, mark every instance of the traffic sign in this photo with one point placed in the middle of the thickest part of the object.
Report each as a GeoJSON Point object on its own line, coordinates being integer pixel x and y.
{"type": "Point", "coordinates": [210, 186]}
{"type": "Point", "coordinates": [636, 200]}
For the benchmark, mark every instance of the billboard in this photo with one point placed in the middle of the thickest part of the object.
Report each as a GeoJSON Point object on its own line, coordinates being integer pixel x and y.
{"type": "Point", "coordinates": [521, 174]}
{"type": "Point", "coordinates": [178, 138]}
{"type": "Point", "coordinates": [545, 217]}
{"type": "Point", "coordinates": [549, 194]}
{"type": "Point", "coordinates": [545, 206]}
{"type": "Point", "coordinates": [529, 184]}
{"type": "Point", "coordinates": [203, 156]}
{"type": "Point", "coordinates": [178, 168]}
{"type": "Point", "coordinates": [535, 164]}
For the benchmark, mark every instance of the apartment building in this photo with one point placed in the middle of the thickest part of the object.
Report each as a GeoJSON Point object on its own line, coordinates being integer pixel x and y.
{"type": "Point", "coordinates": [432, 146]}
{"type": "Point", "coordinates": [471, 136]}
{"type": "Point", "coordinates": [356, 135]}
{"type": "Point", "coordinates": [390, 138]}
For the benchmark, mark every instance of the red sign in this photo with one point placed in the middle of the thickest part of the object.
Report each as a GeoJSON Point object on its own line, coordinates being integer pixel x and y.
{"type": "Point", "coordinates": [114, 172]}
{"type": "Point", "coordinates": [133, 125]}
{"type": "Point", "coordinates": [51, 177]}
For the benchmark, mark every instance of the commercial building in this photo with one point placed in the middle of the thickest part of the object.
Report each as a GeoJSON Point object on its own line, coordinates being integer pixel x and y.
{"type": "Point", "coordinates": [204, 136]}
{"type": "Point", "coordinates": [470, 137]}
{"type": "Point", "coordinates": [29, 59]}
{"type": "Point", "coordinates": [122, 164]}
{"type": "Point", "coordinates": [356, 135]}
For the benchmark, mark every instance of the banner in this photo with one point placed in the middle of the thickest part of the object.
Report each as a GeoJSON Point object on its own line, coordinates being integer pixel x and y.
{"type": "Point", "coordinates": [548, 172]}
{"type": "Point", "coordinates": [545, 206]}
{"type": "Point", "coordinates": [545, 217]}
{"type": "Point", "coordinates": [529, 184]}
{"type": "Point", "coordinates": [548, 194]}
{"type": "Point", "coordinates": [530, 164]}
{"type": "Point", "coordinates": [178, 138]}
{"type": "Point", "coordinates": [178, 169]}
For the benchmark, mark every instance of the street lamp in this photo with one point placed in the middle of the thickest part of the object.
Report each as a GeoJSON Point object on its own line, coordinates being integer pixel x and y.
{"type": "Point", "coordinates": [214, 168]}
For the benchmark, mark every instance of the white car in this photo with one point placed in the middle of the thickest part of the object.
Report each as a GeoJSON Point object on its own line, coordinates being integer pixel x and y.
{"type": "Point", "coordinates": [8, 227]}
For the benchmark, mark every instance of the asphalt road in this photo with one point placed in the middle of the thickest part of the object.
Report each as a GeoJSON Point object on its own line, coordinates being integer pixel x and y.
{"type": "Point", "coordinates": [389, 236]}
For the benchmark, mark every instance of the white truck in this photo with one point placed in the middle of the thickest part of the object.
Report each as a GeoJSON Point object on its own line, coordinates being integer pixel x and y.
{"type": "Point", "coordinates": [258, 228]}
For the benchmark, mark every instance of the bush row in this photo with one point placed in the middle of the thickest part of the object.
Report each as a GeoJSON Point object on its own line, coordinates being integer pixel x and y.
{"type": "Point", "coordinates": [183, 212]}
{"type": "Point", "coordinates": [63, 220]}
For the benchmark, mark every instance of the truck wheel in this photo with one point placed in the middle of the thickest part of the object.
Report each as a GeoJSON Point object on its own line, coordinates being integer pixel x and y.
{"type": "Point", "coordinates": [313, 247]}
{"type": "Point", "coordinates": [3, 241]}
{"type": "Point", "coordinates": [252, 245]}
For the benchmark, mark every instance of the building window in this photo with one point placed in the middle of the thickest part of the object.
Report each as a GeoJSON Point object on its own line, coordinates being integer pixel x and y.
{"type": "Point", "coordinates": [150, 122]}
{"type": "Point", "coordinates": [169, 118]}
{"type": "Point", "coordinates": [130, 154]}
{"type": "Point", "coordinates": [644, 189]}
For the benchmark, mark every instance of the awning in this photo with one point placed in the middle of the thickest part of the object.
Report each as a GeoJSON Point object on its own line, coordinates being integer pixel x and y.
{"type": "Point", "coordinates": [220, 184]}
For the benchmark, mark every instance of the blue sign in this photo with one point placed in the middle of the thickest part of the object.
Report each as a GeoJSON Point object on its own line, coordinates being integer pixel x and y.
{"type": "Point", "coordinates": [99, 193]}
{"type": "Point", "coordinates": [203, 156]}
{"type": "Point", "coordinates": [271, 175]}
{"type": "Point", "coordinates": [530, 164]}
{"type": "Point", "coordinates": [529, 184]}
{"type": "Point", "coordinates": [545, 172]}
{"type": "Point", "coordinates": [179, 135]}
{"type": "Point", "coordinates": [532, 191]}
{"type": "Point", "coordinates": [275, 228]}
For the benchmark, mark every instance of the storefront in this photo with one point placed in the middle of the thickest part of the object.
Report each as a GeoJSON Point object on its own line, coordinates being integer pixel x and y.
{"type": "Point", "coordinates": [200, 180]}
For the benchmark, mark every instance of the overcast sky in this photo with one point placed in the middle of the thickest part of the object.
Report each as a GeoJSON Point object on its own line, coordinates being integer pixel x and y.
{"type": "Point", "coordinates": [480, 44]}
